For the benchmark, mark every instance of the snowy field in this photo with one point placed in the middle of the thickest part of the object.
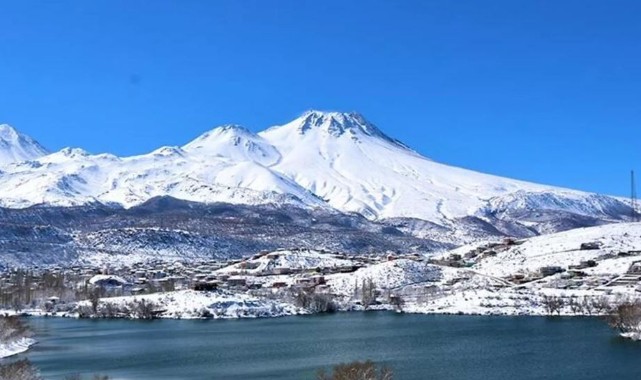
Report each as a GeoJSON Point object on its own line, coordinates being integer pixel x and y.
{"type": "Point", "coordinates": [16, 347]}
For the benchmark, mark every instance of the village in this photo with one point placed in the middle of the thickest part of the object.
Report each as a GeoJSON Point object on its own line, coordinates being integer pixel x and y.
{"type": "Point", "coordinates": [506, 276]}
{"type": "Point", "coordinates": [57, 289]}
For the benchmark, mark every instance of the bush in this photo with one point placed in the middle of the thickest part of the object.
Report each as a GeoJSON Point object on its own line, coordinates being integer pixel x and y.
{"type": "Point", "coordinates": [13, 328]}
{"type": "Point", "coordinates": [20, 370]}
{"type": "Point", "coordinates": [315, 302]}
{"type": "Point", "coordinates": [143, 309]}
{"type": "Point", "coordinates": [625, 317]}
{"type": "Point", "coordinates": [139, 309]}
{"type": "Point", "coordinates": [357, 371]}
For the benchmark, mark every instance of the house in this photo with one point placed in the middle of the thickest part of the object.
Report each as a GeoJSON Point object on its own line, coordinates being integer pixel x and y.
{"type": "Point", "coordinates": [318, 280]}
{"type": "Point", "coordinates": [584, 264]}
{"type": "Point", "coordinates": [590, 245]}
{"type": "Point", "coordinates": [635, 268]}
{"type": "Point", "coordinates": [107, 281]}
{"type": "Point", "coordinates": [550, 270]}
{"type": "Point", "coordinates": [206, 286]}
{"type": "Point", "coordinates": [237, 281]}
{"type": "Point", "coordinates": [282, 270]}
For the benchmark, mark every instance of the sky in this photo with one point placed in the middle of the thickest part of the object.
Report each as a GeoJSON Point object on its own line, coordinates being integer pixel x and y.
{"type": "Point", "coordinates": [547, 91]}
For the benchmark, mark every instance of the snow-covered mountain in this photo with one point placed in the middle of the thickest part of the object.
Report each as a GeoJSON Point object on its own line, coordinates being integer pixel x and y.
{"type": "Point", "coordinates": [321, 160]}
{"type": "Point", "coordinates": [15, 146]}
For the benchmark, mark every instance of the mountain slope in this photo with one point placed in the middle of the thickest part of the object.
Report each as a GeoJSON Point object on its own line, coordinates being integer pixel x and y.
{"type": "Point", "coordinates": [167, 228]}
{"type": "Point", "coordinates": [563, 249]}
{"type": "Point", "coordinates": [15, 147]}
{"type": "Point", "coordinates": [347, 161]}
{"type": "Point", "coordinates": [321, 160]}
{"type": "Point", "coordinates": [74, 177]}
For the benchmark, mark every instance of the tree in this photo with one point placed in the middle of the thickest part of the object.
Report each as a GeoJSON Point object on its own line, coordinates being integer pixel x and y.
{"type": "Point", "coordinates": [94, 300]}
{"type": "Point", "coordinates": [601, 305]}
{"type": "Point", "coordinates": [575, 305]}
{"type": "Point", "coordinates": [587, 306]}
{"type": "Point", "coordinates": [357, 371]}
{"type": "Point", "coordinates": [12, 329]}
{"type": "Point", "coordinates": [143, 309]}
{"type": "Point", "coordinates": [397, 301]}
{"type": "Point", "coordinates": [315, 302]}
{"type": "Point", "coordinates": [625, 317]}
{"type": "Point", "coordinates": [552, 304]}
{"type": "Point", "coordinates": [368, 292]}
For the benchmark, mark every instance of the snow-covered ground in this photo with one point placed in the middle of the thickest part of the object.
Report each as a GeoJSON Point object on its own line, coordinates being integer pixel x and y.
{"type": "Point", "coordinates": [386, 276]}
{"type": "Point", "coordinates": [564, 249]}
{"type": "Point", "coordinates": [482, 288]}
{"type": "Point", "coordinates": [16, 347]}
{"type": "Point", "coordinates": [508, 281]}
{"type": "Point", "coordinates": [189, 304]}
{"type": "Point", "coordinates": [293, 260]}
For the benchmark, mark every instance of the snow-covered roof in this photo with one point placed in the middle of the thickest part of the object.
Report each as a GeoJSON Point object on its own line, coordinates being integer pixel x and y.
{"type": "Point", "coordinates": [102, 278]}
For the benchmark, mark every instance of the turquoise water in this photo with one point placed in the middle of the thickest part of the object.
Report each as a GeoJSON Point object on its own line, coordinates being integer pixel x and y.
{"type": "Point", "coordinates": [415, 346]}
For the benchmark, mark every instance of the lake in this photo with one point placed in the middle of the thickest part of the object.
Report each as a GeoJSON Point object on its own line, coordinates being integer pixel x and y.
{"type": "Point", "coordinates": [415, 346]}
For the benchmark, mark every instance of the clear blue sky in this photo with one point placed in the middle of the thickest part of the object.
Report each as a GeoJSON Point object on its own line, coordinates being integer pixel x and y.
{"type": "Point", "coordinates": [546, 91]}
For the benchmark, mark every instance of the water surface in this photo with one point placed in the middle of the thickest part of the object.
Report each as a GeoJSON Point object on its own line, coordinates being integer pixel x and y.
{"type": "Point", "coordinates": [415, 346]}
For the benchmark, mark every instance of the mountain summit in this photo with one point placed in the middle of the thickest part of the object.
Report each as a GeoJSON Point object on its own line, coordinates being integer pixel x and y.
{"type": "Point", "coordinates": [321, 125]}
{"type": "Point", "coordinates": [16, 147]}
{"type": "Point", "coordinates": [336, 123]}
{"type": "Point", "coordinates": [235, 142]}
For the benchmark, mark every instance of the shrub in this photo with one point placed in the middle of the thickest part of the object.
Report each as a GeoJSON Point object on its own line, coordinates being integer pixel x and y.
{"type": "Point", "coordinates": [625, 317]}
{"type": "Point", "coordinates": [20, 370]}
{"type": "Point", "coordinates": [315, 302]}
{"type": "Point", "coordinates": [143, 309]}
{"type": "Point", "coordinates": [357, 371]}
{"type": "Point", "coordinates": [13, 328]}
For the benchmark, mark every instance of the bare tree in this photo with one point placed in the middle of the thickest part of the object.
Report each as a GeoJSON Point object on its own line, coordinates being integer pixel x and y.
{"type": "Point", "coordinates": [575, 306]}
{"type": "Point", "coordinates": [94, 300]}
{"type": "Point", "coordinates": [397, 301]}
{"type": "Point", "coordinates": [143, 309]}
{"type": "Point", "coordinates": [314, 302]}
{"type": "Point", "coordinates": [587, 306]}
{"type": "Point", "coordinates": [12, 329]}
{"type": "Point", "coordinates": [368, 292]}
{"type": "Point", "coordinates": [552, 304]}
{"type": "Point", "coordinates": [601, 305]}
{"type": "Point", "coordinates": [625, 317]}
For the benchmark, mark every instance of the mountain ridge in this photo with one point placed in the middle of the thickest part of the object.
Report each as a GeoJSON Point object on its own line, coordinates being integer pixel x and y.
{"type": "Point", "coordinates": [330, 160]}
{"type": "Point", "coordinates": [15, 146]}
